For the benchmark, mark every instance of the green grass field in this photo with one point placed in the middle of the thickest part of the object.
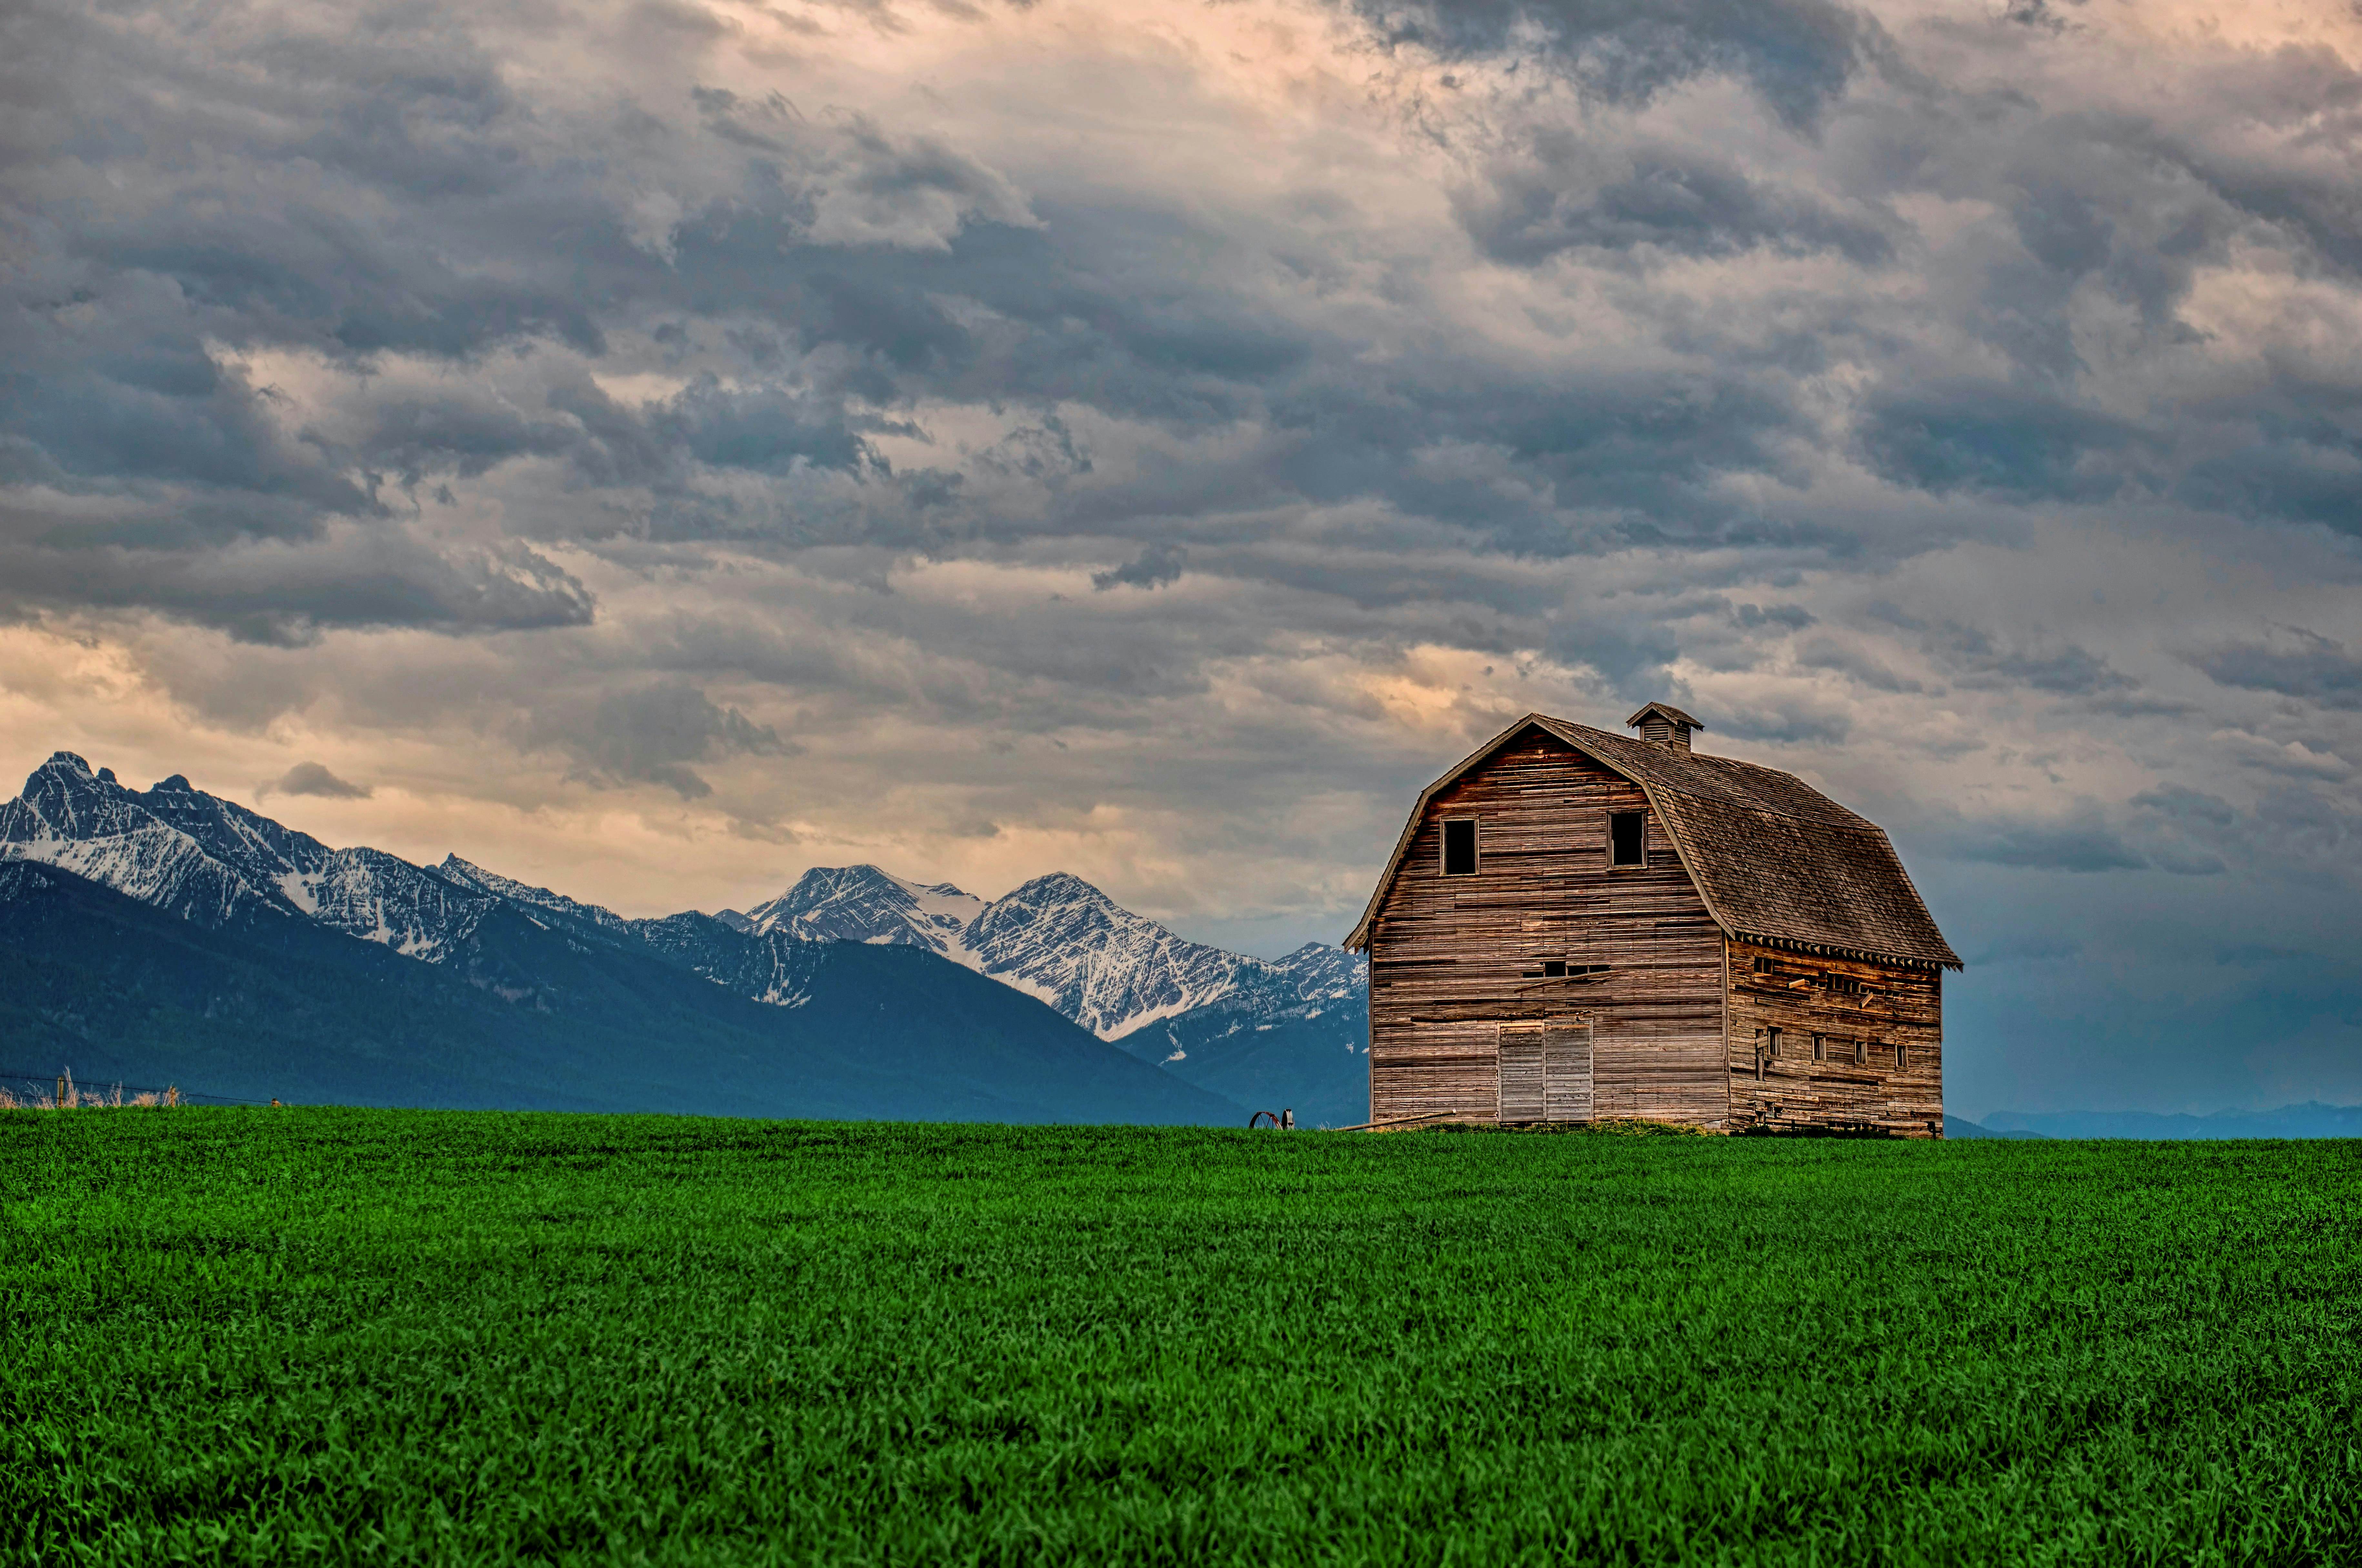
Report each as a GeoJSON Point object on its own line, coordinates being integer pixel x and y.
{"type": "Point", "coordinates": [367, 1336]}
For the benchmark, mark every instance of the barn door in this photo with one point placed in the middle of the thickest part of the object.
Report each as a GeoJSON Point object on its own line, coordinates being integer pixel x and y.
{"type": "Point", "coordinates": [1522, 1096]}
{"type": "Point", "coordinates": [1566, 1070]}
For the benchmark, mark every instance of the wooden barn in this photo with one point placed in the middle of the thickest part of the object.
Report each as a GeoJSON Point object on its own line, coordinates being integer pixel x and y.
{"type": "Point", "coordinates": [1583, 926]}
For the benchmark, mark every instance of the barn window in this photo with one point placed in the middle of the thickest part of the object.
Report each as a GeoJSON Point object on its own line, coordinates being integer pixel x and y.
{"type": "Point", "coordinates": [1820, 1047]}
{"type": "Point", "coordinates": [1771, 1043]}
{"type": "Point", "coordinates": [1560, 969]}
{"type": "Point", "coordinates": [1861, 1052]}
{"type": "Point", "coordinates": [1845, 985]}
{"type": "Point", "coordinates": [1898, 1054]}
{"type": "Point", "coordinates": [1766, 967]}
{"type": "Point", "coordinates": [1459, 848]}
{"type": "Point", "coordinates": [1627, 839]}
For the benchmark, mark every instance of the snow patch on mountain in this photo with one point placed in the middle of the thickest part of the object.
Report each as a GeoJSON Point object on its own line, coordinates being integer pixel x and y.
{"type": "Point", "coordinates": [768, 967]}
{"type": "Point", "coordinates": [861, 903]}
{"type": "Point", "coordinates": [468, 874]}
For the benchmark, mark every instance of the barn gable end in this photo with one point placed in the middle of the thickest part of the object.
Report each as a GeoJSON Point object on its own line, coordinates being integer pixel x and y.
{"type": "Point", "coordinates": [1460, 956]}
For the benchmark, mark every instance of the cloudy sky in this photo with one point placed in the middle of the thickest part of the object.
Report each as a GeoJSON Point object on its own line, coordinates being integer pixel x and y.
{"type": "Point", "coordinates": [652, 448]}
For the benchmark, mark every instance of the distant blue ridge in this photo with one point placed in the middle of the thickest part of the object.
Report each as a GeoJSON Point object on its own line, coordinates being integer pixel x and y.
{"type": "Point", "coordinates": [2311, 1119]}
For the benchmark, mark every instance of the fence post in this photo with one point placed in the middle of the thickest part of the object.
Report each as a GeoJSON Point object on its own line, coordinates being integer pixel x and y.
{"type": "Point", "coordinates": [58, 1102]}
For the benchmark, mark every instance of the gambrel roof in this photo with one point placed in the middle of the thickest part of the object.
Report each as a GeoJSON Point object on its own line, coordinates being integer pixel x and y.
{"type": "Point", "coordinates": [1775, 860]}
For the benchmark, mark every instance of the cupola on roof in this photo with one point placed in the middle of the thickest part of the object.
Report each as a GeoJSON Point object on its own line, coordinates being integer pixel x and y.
{"type": "Point", "coordinates": [1665, 724]}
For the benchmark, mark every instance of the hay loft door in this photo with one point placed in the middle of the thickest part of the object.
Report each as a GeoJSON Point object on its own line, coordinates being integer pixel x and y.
{"type": "Point", "coordinates": [1566, 1069]}
{"type": "Point", "coordinates": [1545, 1071]}
{"type": "Point", "coordinates": [1522, 1098]}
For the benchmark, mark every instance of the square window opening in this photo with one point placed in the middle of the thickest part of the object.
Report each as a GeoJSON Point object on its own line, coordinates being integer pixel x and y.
{"type": "Point", "coordinates": [1628, 839]}
{"type": "Point", "coordinates": [1459, 848]}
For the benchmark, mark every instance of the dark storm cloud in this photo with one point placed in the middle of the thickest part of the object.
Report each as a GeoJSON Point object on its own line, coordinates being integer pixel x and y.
{"type": "Point", "coordinates": [1978, 659]}
{"type": "Point", "coordinates": [651, 734]}
{"type": "Point", "coordinates": [2179, 803]}
{"type": "Point", "coordinates": [1664, 200]}
{"type": "Point", "coordinates": [314, 778]}
{"type": "Point", "coordinates": [1157, 565]}
{"type": "Point", "coordinates": [1798, 53]}
{"type": "Point", "coordinates": [2085, 845]}
{"type": "Point", "coordinates": [287, 594]}
{"type": "Point", "coordinates": [2296, 663]}
{"type": "Point", "coordinates": [1998, 440]}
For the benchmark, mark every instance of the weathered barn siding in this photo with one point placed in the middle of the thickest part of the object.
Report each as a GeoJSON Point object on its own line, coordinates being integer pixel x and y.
{"type": "Point", "coordinates": [1448, 954]}
{"type": "Point", "coordinates": [1895, 1004]}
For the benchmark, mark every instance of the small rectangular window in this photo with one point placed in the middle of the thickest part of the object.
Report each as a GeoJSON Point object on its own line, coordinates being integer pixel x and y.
{"type": "Point", "coordinates": [1771, 1043]}
{"type": "Point", "coordinates": [1555, 968]}
{"type": "Point", "coordinates": [1766, 967]}
{"type": "Point", "coordinates": [1820, 1047]}
{"type": "Point", "coordinates": [1898, 1054]}
{"type": "Point", "coordinates": [1459, 848]}
{"type": "Point", "coordinates": [1627, 839]}
{"type": "Point", "coordinates": [1861, 1052]}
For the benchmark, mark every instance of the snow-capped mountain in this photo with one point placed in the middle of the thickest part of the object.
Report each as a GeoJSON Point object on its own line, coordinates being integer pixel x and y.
{"type": "Point", "coordinates": [1062, 940]}
{"type": "Point", "coordinates": [209, 859]}
{"type": "Point", "coordinates": [1111, 971]}
{"type": "Point", "coordinates": [861, 903]}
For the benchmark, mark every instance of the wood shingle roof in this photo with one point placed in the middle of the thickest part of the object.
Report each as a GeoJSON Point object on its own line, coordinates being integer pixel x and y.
{"type": "Point", "coordinates": [1775, 859]}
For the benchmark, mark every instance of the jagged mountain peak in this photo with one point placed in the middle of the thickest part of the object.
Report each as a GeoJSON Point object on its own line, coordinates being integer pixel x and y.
{"type": "Point", "coordinates": [1108, 969]}
{"type": "Point", "coordinates": [1058, 888]}
{"type": "Point", "coordinates": [209, 859]}
{"type": "Point", "coordinates": [1060, 883]}
{"type": "Point", "coordinates": [823, 883]}
{"type": "Point", "coordinates": [865, 903]}
{"type": "Point", "coordinates": [69, 763]}
{"type": "Point", "coordinates": [468, 874]}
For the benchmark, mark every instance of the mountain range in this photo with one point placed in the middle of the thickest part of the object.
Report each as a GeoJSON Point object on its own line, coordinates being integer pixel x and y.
{"type": "Point", "coordinates": [854, 993]}
{"type": "Point", "coordinates": [2311, 1119]}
